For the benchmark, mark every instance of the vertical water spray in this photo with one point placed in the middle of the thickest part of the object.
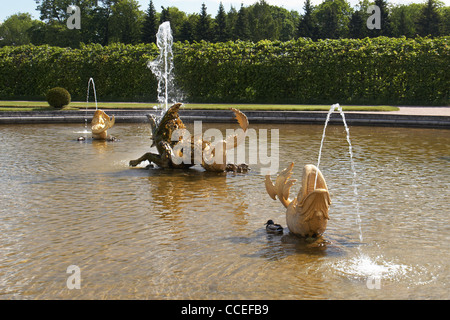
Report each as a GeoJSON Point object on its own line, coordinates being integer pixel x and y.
{"type": "Point", "coordinates": [352, 163]}
{"type": "Point", "coordinates": [91, 80]}
{"type": "Point", "coordinates": [162, 67]}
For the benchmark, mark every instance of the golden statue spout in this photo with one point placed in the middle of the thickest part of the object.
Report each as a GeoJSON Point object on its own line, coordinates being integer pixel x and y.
{"type": "Point", "coordinates": [306, 215]}
{"type": "Point", "coordinates": [101, 122]}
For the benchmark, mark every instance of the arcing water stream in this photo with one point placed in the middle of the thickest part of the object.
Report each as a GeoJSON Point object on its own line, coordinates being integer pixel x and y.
{"type": "Point", "coordinates": [350, 151]}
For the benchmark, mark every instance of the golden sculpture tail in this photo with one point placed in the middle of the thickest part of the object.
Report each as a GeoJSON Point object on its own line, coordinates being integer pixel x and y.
{"type": "Point", "coordinates": [282, 186]}
{"type": "Point", "coordinates": [233, 140]}
{"type": "Point", "coordinates": [101, 122]}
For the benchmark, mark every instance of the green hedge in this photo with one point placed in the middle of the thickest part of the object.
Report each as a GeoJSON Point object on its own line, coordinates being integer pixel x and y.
{"type": "Point", "coordinates": [349, 71]}
{"type": "Point", "coordinates": [119, 72]}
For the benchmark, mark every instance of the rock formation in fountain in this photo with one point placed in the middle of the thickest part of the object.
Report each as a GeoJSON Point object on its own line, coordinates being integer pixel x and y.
{"type": "Point", "coordinates": [101, 122]}
{"type": "Point", "coordinates": [178, 149]}
{"type": "Point", "coordinates": [307, 214]}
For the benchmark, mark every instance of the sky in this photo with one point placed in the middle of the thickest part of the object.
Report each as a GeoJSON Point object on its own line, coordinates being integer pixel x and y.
{"type": "Point", "coordinates": [8, 7]}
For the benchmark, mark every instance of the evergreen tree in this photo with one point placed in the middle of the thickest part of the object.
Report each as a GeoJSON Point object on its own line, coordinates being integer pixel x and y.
{"type": "Point", "coordinates": [386, 28]}
{"type": "Point", "coordinates": [150, 27]}
{"type": "Point", "coordinates": [231, 23]}
{"type": "Point", "coordinates": [187, 31]}
{"type": "Point", "coordinates": [204, 25]}
{"type": "Point", "coordinates": [429, 20]}
{"type": "Point", "coordinates": [357, 27]}
{"type": "Point", "coordinates": [221, 25]}
{"type": "Point", "coordinates": [241, 29]}
{"type": "Point", "coordinates": [307, 26]}
{"type": "Point", "coordinates": [165, 15]}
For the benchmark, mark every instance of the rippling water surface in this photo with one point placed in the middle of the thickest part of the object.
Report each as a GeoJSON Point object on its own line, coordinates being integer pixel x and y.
{"type": "Point", "coordinates": [157, 234]}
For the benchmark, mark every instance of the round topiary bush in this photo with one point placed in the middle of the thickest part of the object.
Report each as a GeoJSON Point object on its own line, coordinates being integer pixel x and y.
{"type": "Point", "coordinates": [58, 97]}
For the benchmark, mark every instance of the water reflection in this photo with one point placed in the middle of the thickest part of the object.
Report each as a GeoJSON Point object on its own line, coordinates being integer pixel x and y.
{"type": "Point", "coordinates": [151, 234]}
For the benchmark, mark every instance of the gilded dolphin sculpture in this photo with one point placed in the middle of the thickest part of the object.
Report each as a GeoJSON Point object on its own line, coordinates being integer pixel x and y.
{"type": "Point", "coordinates": [307, 214]}
{"type": "Point", "coordinates": [101, 122]}
{"type": "Point", "coordinates": [163, 130]}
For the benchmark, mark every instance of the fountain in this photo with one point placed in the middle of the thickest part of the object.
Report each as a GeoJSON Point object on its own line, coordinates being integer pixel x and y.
{"type": "Point", "coordinates": [178, 149]}
{"type": "Point", "coordinates": [162, 67]}
{"type": "Point", "coordinates": [350, 151]}
{"type": "Point", "coordinates": [307, 214]}
{"type": "Point", "coordinates": [101, 122]}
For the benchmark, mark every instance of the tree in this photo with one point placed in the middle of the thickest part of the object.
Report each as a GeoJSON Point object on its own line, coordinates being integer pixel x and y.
{"type": "Point", "coordinates": [165, 15]}
{"type": "Point", "coordinates": [176, 18]}
{"type": "Point", "coordinates": [204, 25]}
{"type": "Point", "coordinates": [429, 20]}
{"type": "Point", "coordinates": [125, 22]}
{"type": "Point", "coordinates": [262, 24]}
{"type": "Point", "coordinates": [386, 28]}
{"type": "Point", "coordinates": [287, 31]}
{"type": "Point", "coordinates": [333, 17]}
{"type": "Point", "coordinates": [307, 26]}
{"type": "Point", "coordinates": [357, 27]}
{"type": "Point", "coordinates": [150, 26]}
{"type": "Point", "coordinates": [221, 25]}
{"type": "Point", "coordinates": [14, 31]}
{"type": "Point", "coordinates": [404, 19]}
{"type": "Point", "coordinates": [241, 29]}
{"type": "Point", "coordinates": [231, 23]}
{"type": "Point", "coordinates": [187, 32]}
{"type": "Point", "coordinates": [445, 21]}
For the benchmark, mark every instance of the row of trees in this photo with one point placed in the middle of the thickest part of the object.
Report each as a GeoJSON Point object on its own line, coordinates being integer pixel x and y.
{"type": "Point", "coordinates": [111, 21]}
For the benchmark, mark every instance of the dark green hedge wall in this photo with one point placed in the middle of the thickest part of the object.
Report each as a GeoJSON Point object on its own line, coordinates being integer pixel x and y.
{"type": "Point", "coordinates": [351, 71]}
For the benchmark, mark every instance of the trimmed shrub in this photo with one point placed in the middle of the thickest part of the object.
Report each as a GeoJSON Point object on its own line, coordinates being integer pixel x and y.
{"type": "Point", "coordinates": [349, 71]}
{"type": "Point", "coordinates": [58, 97]}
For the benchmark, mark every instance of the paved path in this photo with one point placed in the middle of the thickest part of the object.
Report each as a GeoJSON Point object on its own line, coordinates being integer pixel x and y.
{"type": "Point", "coordinates": [421, 111]}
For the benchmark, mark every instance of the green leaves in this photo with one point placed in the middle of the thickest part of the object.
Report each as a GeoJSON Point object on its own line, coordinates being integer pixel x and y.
{"type": "Point", "coordinates": [349, 71]}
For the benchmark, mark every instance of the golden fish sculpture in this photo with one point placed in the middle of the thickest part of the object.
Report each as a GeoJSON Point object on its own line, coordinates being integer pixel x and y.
{"type": "Point", "coordinates": [101, 122]}
{"type": "Point", "coordinates": [307, 214]}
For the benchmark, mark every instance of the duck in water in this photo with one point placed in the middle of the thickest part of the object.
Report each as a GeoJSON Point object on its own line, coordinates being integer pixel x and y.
{"type": "Point", "coordinates": [273, 227]}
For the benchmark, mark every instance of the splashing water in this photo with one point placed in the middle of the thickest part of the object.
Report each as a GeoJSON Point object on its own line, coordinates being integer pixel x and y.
{"type": "Point", "coordinates": [361, 266]}
{"type": "Point", "coordinates": [162, 67]}
{"type": "Point", "coordinates": [350, 151]}
{"type": "Point", "coordinates": [364, 267]}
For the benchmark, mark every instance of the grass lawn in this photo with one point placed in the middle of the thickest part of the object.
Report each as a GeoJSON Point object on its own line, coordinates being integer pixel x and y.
{"type": "Point", "coordinates": [43, 105]}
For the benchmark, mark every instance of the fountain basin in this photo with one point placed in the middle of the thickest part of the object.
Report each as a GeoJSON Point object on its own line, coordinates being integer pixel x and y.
{"type": "Point", "coordinates": [177, 234]}
{"type": "Point", "coordinates": [295, 117]}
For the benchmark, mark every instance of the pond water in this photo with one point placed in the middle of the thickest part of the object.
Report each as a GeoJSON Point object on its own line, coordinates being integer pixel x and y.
{"type": "Point", "coordinates": [140, 233]}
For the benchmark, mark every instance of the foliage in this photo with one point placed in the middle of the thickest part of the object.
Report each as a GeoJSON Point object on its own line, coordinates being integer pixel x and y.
{"type": "Point", "coordinates": [150, 27]}
{"type": "Point", "coordinates": [125, 23]}
{"type": "Point", "coordinates": [429, 21]}
{"type": "Point", "coordinates": [58, 97]}
{"type": "Point", "coordinates": [349, 71]}
{"type": "Point", "coordinates": [108, 21]}
{"type": "Point", "coordinates": [13, 32]}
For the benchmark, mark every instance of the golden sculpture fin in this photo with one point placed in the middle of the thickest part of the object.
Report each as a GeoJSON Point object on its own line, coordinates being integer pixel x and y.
{"type": "Point", "coordinates": [101, 122]}
{"type": "Point", "coordinates": [306, 215]}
